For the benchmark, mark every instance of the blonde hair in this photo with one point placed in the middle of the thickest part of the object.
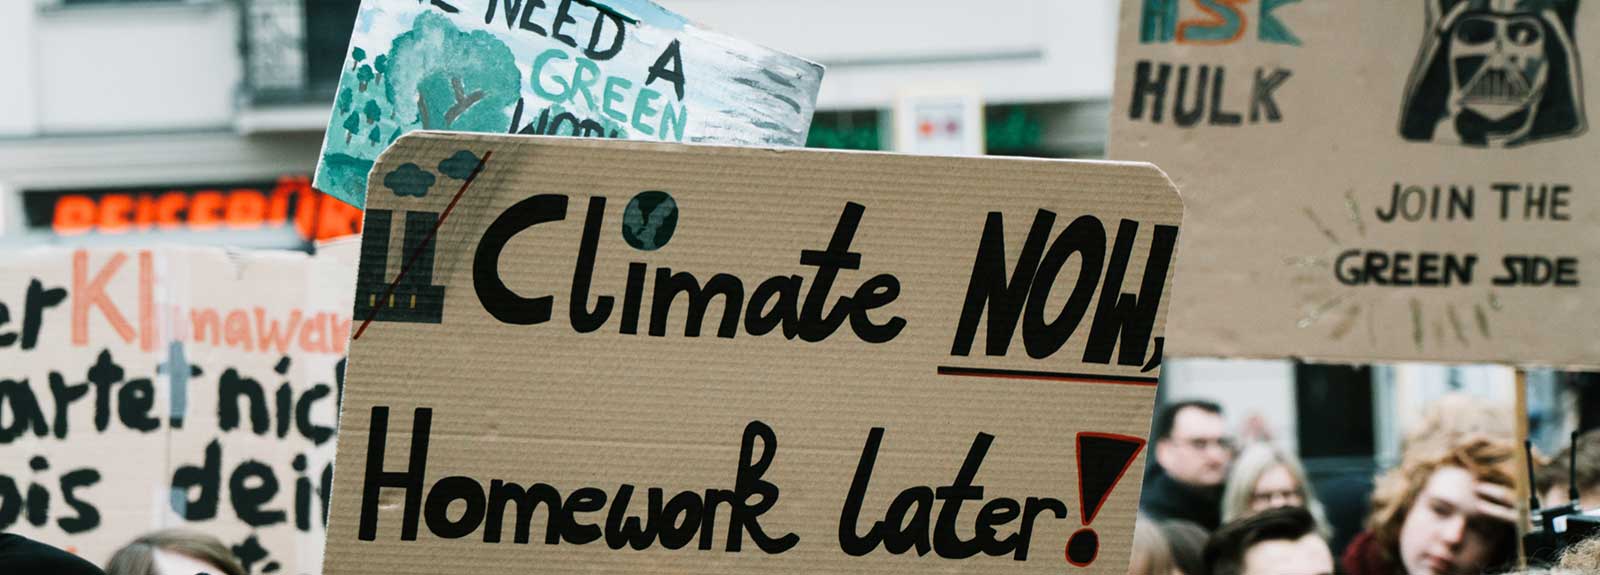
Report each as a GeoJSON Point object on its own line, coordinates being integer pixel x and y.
{"type": "Point", "coordinates": [1583, 555]}
{"type": "Point", "coordinates": [137, 557]}
{"type": "Point", "coordinates": [1452, 418]}
{"type": "Point", "coordinates": [1255, 461]}
{"type": "Point", "coordinates": [1152, 555]}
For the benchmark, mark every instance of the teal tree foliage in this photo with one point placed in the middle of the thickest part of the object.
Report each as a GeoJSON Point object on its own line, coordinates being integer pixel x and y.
{"type": "Point", "coordinates": [345, 99]}
{"type": "Point", "coordinates": [351, 126]}
{"type": "Point", "coordinates": [442, 78]}
{"type": "Point", "coordinates": [372, 111]}
{"type": "Point", "coordinates": [380, 64]}
{"type": "Point", "coordinates": [459, 165]}
{"type": "Point", "coordinates": [409, 180]}
{"type": "Point", "coordinates": [465, 81]}
{"type": "Point", "coordinates": [364, 76]}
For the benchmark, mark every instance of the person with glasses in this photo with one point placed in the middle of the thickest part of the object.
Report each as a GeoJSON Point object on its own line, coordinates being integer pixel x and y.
{"type": "Point", "coordinates": [1265, 477]}
{"type": "Point", "coordinates": [1192, 453]}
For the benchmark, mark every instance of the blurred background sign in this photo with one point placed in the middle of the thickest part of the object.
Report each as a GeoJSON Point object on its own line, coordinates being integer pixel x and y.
{"type": "Point", "coordinates": [283, 213]}
{"type": "Point", "coordinates": [939, 123]}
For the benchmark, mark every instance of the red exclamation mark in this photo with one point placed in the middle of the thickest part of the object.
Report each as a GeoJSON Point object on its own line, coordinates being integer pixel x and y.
{"type": "Point", "coordinates": [1102, 460]}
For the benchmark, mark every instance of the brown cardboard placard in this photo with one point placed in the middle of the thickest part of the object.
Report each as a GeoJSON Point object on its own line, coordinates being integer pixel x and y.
{"type": "Point", "coordinates": [171, 387]}
{"type": "Point", "coordinates": [1372, 180]}
{"type": "Point", "coordinates": [511, 349]}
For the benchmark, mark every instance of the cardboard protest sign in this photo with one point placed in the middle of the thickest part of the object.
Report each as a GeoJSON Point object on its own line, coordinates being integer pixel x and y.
{"type": "Point", "coordinates": [748, 360]}
{"type": "Point", "coordinates": [1372, 180]}
{"type": "Point", "coordinates": [172, 387]}
{"type": "Point", "coordinates": [625, 69]}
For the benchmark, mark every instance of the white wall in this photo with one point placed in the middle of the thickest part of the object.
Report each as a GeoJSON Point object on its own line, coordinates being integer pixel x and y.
{"type": "Point", "coordinates": [109, 69]}
{"type": "Point", "coordinates": [17, 89]}
{"type": "Point", "coordinates": [1011, 50]}
{"type": "Point", "coordinates": [1245, 388]}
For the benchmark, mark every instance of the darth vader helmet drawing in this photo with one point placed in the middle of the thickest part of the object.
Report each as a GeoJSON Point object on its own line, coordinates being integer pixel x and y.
{"type": "Point", "coordinates": [1495, 73]}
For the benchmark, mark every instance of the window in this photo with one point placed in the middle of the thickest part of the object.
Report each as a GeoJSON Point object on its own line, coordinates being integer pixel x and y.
{"type": "Point", "coordinates": [328, 26]}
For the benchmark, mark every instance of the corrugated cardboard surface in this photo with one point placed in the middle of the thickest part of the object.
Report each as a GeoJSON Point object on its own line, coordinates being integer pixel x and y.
{"type": "Point", "coordinates": [144, 339]}
{"type": "Point", "coordinates": [1273, 205]}
{"type": "Point", "coordinates": [544, 403]}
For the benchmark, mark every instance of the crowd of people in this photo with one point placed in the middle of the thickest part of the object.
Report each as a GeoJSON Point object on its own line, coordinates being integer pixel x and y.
{"type": "Point", "coordinates": [1210, 507]}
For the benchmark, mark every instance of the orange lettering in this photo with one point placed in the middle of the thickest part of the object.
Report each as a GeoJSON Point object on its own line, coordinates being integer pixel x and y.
{"type": "Point", "coordinates": [147, 301]}
{"type": "Point", "coordinates": [144, 214]}
{"type": "Point", "coordinates": [269, 334]}
{"type": "Point", "coordinates": [167, 209]}
{"type": "Point", "coordinates": [1216, 28]}
{"type": "Point", "coordinates": [205, 210]}
{"type": "Point", "coordinates": [93, 293]}
{"type": "Point", "coordinates": [115, 213]}
{"type": "Point", "coordinates": [341, 333]}
{"type": "Point", "coordinates": [246, 208]}
{"type": "Point", "coordinates": [203, 320]}
{"type": "Point", "coordinates": [74, 215]}
{"type": "Point", "coordinates": [289, 187]}
{"type": "Point", "coordinates": [236, 330]}
{"type": "Point", "coordinates": [337, 219]}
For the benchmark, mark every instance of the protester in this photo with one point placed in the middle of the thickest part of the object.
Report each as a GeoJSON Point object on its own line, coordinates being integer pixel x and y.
{"type": "Point", "coordinates": [1192, 452]}
{"type": "Point", "coordinates": [1151, 554]}
{"type": "Point", "coordinates": [1265, 477]}
{"type": "Point", "coordinates": [19, 554]}
{"type": "Point", "coordinates": [1188, 544]}
{"type": "Point", "coordinates": [1441, 512]}
{"type": "Point", "coordinates": [1556, 477]}
{"type": "Point", "coordinates": [1281, 541]}
{"type": "Point", "coordinates": [172, 551]}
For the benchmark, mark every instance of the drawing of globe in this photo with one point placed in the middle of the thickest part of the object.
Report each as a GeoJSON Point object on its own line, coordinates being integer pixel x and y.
{"type": "Point", "coordinates": [649, 220]}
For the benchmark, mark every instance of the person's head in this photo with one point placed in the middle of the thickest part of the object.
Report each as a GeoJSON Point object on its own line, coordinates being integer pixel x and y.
{"type": "Point", "coordinates": [1188, 544]}
{"type": "Point", "coordinates": [1450, 419]}
{"type": "Point", "coordinates": [1192, 444]}
{"type": "Point", "coordinates": [1151, 554]}
{"type": "Point", "coordinates": [1557, 475]}
{"type": "Point", "coordinates": [1281, 541]}
{"type": "Point", "coordinates": [174, 552]}
{"type": "Point", "coordinates": [1426, 516]}
{"type": "Point", "coordinates": [1264, 477]}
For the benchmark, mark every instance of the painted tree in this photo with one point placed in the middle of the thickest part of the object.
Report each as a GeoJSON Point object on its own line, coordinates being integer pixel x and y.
{"type": "Point", "coordinates": [375, 135]}
{"type": "Point", "coordinates": [372, 111]}
{"type": "Point", "coordinates": [364, 76]}
{"type": "Point", "coordinates": [345, 99]}
{"type": "Point", "coordinates": [351, 126]}
{"type": "Point", "coordinates": [380, 65]}
{"type": "Point", "coordinates": [440, 77]}
{"type": "Point", "coordinates": [356, 56]}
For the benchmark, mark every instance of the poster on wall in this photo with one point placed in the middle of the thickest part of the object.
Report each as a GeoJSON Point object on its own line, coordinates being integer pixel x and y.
{"type": "Point", "coordinates": [143, 389]}
{"type": "Point", "coordinates": [707, 364]}
{"type": "Point", "coordinates": [1373, 180]}
{"type": "Point", "coordinates": [620, 69]}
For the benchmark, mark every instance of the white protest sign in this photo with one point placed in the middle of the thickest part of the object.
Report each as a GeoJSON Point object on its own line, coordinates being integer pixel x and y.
{"type": "Point", "coordinates": [171, 387]}
{"type": "Point", "coordinates": [626, 69]}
